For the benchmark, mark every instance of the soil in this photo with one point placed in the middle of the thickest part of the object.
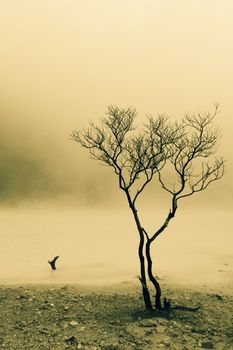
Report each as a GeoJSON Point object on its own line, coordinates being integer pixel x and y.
{"type": "Point", "coordinates": [71, 317]}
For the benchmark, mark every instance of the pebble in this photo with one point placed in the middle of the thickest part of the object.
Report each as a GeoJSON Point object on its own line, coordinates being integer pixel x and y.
{"type": "Point", "coordinates": [207, 345]}
{"type": "Point", "coordinates": [148, 323]}
{"type": "Point", "coordinates": [22, 296]}
{"type": "Point", "coordinates": [161, 329]}
{"type": "Point", "coordinates": [71, 340]}
{"type": "Point", "coordinates": [73, 323]}
{"type": "Point", "coordinates": [112, 346]}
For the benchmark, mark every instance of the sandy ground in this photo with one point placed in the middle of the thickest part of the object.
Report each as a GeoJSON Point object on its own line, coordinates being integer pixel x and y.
{"type": "Point", "coordinates": [112, 318]}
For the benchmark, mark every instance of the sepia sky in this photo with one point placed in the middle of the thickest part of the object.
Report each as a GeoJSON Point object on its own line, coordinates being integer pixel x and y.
{"type": "Point", "coordinates": [64, 61]}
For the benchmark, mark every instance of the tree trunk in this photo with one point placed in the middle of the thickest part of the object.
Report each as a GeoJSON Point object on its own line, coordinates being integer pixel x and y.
{"type": "Point", "coordinates": [158, 293]}
{"type": "Point", "coordinates": [145, 291]}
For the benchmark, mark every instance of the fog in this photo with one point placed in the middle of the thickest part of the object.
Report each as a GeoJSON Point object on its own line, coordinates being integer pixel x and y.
{"type": "Point", "coordinates": [62, 63]}
{"type": "Point", "coordinates": [100, 247]}
{"type": "Point", "coordinates": [39, 162]}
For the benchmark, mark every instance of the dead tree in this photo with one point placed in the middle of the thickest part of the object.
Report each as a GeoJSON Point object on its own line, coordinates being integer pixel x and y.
{"type": "Point", "coordinates": [138, 157]}
{"type": "Point", "coordinates": [192, 171]}
{"type": "Point", "coordinates": [52, 263]}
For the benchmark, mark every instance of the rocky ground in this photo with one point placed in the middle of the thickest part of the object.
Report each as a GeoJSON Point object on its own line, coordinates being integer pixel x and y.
{"type": "Point", "coordinates": [76, 318]}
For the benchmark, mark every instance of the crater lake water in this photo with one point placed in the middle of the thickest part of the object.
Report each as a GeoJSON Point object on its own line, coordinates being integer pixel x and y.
{"type": "Point", "coordinates": [99, 246]}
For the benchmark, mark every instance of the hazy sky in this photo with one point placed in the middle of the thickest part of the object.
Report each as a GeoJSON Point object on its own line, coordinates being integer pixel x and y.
{"type": "Point", "coordinates": [64, 61]}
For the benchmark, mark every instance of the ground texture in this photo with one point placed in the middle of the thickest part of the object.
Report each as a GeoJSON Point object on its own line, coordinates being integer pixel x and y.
{"type": "Point", "coordinates": [76, 318]}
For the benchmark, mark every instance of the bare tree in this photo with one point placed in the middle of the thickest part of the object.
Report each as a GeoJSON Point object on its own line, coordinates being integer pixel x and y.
{"type": "Point", "coordinates": [140, 156]}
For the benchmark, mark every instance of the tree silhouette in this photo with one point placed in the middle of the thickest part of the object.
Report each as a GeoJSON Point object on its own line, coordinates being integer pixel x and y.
{"type": "Point", "coordinates": [184, 150]}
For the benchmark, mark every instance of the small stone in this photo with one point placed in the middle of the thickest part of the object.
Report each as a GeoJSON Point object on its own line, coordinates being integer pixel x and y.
{"type": "Point", "coordinates": [79, 346]}
{"type": "Point", "coordinates": [73, 323]}
{"type": "Point", "coordinates": [52, 305]}
{"type": "Point", "coordinates": [207, 345]}
{"type": "Point", "coordinates": [112, 346]}
{"type": "Point", "coordinates": [71, 340]}
{"type": "Point", "coordinates": [161, 329]}
{"type": "Point", "coordinates": [166, 343]}
{"type": "Point", "coordinates": [66, 308]}
{"type": "Point", "coordinates": [148, 323]}
{"type": "Point", "coordinates": [22, 296]}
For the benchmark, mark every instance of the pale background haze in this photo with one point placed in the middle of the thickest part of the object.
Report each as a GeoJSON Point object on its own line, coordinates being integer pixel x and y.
{"type": "Point", "coordinates": [63, 62]}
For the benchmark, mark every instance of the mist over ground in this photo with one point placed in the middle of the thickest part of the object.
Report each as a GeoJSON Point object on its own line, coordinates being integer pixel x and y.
{"type": "Point", "coordinates": [40, 163]}
{"type": "Point", "coordinates": [64, 62]}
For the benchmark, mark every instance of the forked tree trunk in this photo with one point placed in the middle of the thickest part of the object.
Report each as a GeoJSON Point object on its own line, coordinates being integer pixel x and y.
{"type": "Point", "coordinates": [145, 290]}
{"type": "Point", "coordinates": [158, 293]}
{"type": "Point", "coordinates": [171, 214]}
